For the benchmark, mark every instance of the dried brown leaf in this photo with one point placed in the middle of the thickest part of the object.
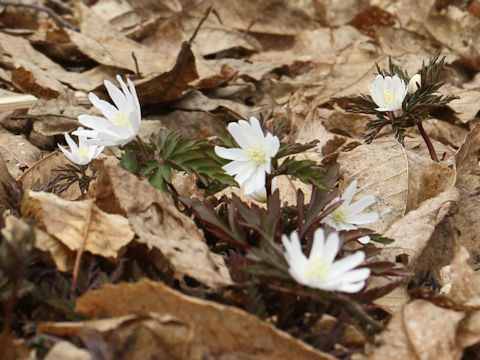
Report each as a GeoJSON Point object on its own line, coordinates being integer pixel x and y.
{"type": "Point", "coordinates": [62, 256]}
{"type": "Point", "coordinates": [399, 178]}
{"type": "Point", "coordinates": [241, 333]}
{"type": "Point", "coordinates": [412, 232]}
{"type": "Point", "coordinates": [37, 83]}
{"type": "Point", "coordinates": [66, 220]}
{"type": "Point", "coordinates": [420, 330]}
{"type": "Point", "coordinates": [159, 224]}
{"type": "Point", "coordinates": [17, 152]}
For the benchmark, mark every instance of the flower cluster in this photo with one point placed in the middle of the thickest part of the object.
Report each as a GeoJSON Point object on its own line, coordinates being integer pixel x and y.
{"type": "Point", "coordinates": [118, 126]}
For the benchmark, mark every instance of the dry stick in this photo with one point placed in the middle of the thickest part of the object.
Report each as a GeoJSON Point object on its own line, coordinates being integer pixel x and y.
{"type": "Point", "coordinates": [49, 11]}
{"type": "Point", "coordinates": [80, 251]}
{"type": "Point", "coordinates": [202, 20]}
{"type": "Point", "coordinates": [427, 140]}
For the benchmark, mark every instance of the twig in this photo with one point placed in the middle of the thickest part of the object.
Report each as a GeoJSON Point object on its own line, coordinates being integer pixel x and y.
{"type": "Point", "coordinates": [202, 20]}
{"type": "Point", "coordinates": [427, 140]}
{"type": "Point", "coordinates": [80, 251]}
{"type": "Point", "coordinates": [49, 11]}
{"type": "Point", "coordinates": [62, 5]}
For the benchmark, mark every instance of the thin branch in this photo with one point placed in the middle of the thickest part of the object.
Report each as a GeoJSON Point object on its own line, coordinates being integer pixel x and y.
{"type": "Point", "coordinates": [49, 11]}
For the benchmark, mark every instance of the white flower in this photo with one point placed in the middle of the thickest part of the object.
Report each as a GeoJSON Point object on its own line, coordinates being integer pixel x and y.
{"type": "Point", "coordinates": [347, 215]}
{"type": "Point", "coordinates": [253, 159]}
{"type": "Point", "coordinates": [414, 83]}
{"type": "Point", "coordinates": [120, 123]}
{"type": "Point", "coordinates": [81, 154]}
{"type": "Point", "coordinates": [388, 93]}
{"type": "Point", "coordinates": [320, 270]}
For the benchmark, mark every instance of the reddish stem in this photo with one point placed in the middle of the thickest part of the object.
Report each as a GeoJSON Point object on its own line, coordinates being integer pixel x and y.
{"type": "Point", "coordinates": [427, 140]}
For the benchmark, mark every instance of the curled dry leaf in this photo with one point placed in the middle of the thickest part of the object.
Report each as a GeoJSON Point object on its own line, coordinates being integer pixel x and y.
{"type": "Point", "coordinates": [66, 350]}
{"type": "Point", "coordinates": [457, 30]}
{"type": "Point", "coordinates": [159, 224]}
{"type": "Point", "coordinates": [421, 330]}
{"type": "Point", "coordinates": [464, 283]}
{"type": "Point", "coordinates": [242, 334]}
{"type": "Point", "coordinates": [399, 178]}
{"type": "Point", "coordinates": [63, 257]}
{"type": "Point", "coordinates": [468, 104]}
{"type": "Point", "coordinates": [412, 232]}
{"type": "Point", "coordinates": [70, 221]}
{"type": "Point", "coordinates": [17, 152]}
{"type": "Point", "coordinates": [465, 220]}
{"type": "Point", "coordinates": [37, 83]}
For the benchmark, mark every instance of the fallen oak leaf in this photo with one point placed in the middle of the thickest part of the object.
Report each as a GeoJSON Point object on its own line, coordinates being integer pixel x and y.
{"type": "Point", "coordinates": [159, 224]}
{"type": "Point", "coordinates": [241, 333]}
{"type": "Point", "coordinates": [66, 220]}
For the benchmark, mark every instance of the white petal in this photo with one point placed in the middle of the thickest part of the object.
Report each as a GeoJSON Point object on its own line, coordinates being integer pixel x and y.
{"type": "Point", "coordinates": [256, 182]}
{"type": "Point", "coordinates": [361, 204]}
{"type": "Point", "coordinates": [352, 287]}
{"type": "Point", "coordinates": [73, 146]}
{"type": "Point", "coordinates": [238, 133]}
{"type": "Point", "coordinates": [273, 145]}
{"type": "Point", "coordinates": [107, 109]}
{"type": "Point", "coordinates": [318, 245]}
{"type": "Point", "coordinates": [230, 154]}
{"type": "Point", "coordinates": [245, 172]}
{"type": "Point", "coordinates": [332, 245]}
{"type": "Point", "coordinates": [95, 122]}
{"type": "Point", "coordinates": [256, 131]}
{"type": "Point", "coordinates": [366, 218]}
{"type": "Point", "coordinates": [350, 192]}
{"type": "Point", "coordinates": [347, 263]}
{"type": "Point", "coordinates": [376, 91]}
{"type": "Point", "coordinates": [133, 91]}
{"type": "Point", "coordinates": [361, 274]}
{"type": "Point", "coordinates": [117, 96]}
{"type": "Point", "coordinates": [65, 152]}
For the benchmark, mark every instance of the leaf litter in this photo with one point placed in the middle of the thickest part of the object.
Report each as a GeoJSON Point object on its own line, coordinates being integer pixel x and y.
{"type": "Point", "coordinates": [139, 271]}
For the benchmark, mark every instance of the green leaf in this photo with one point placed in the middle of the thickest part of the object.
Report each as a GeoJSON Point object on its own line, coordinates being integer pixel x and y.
{"type": "Point", "coordinates": [129, 161]}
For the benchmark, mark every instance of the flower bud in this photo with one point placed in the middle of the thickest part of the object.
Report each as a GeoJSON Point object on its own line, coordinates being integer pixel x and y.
{"type": "Point", "coordinates": [414, 83]}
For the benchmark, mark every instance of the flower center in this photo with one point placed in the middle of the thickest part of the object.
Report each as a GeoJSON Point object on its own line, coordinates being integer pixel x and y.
{"type": "Point", "coordinates": [121, 119]}
{"type": "Point", "coordinates": [389, 98]}
{"type": "Point", "coordinates": [82, 152]}
{"type": "Point", "coordinates": [341, 214]}
{"type": "Point", "coordinates": [256, 154]}
{"type": "Point", "coordinates": [317, 269]}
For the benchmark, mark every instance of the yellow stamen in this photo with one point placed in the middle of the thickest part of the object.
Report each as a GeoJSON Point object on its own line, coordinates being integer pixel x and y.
{"type": "Point", "coordinates": [317, 269]}
{"type": "Point", "coordinates": [389, 98]}
{"type": "Point", "coordinates": [256, 154]}
{"type": "Point", "coordinates": [341, 214]}
{"type": "Point", "coordinates": [121, 119]}
{"type": "Point", "coordinates": [82, 152]}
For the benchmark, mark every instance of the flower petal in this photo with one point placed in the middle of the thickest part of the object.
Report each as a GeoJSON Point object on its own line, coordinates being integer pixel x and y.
{"type": "Point", "coordinates": [117, 96]}
{"type": "Point", "coordinates": [361, 204]}
{"type": "Point", "coordinates": [345, 264]}
{"type": "Point", "coordinates": [107, 109]}
{"type": "Point", "coordinates": [239, 133]}
{"type": "Point", "coordinates": [366, 218]}
{"type": "Point", "coordinates": [255, 182]}
{"type": "Point", "coordinates": [350, 192]}
{"type": "Point", "coordinates": [318, 245]}
{"type": "Point", "coordinates": [332, 245]}
{"type": "Point", "coordinates": [230, 154]}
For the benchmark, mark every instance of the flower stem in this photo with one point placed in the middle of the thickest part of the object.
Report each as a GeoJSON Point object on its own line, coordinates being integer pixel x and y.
{"type": "Point", "coordinates": [427, 140]}
{"type": "Point", "coordinates": [142, 146]}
